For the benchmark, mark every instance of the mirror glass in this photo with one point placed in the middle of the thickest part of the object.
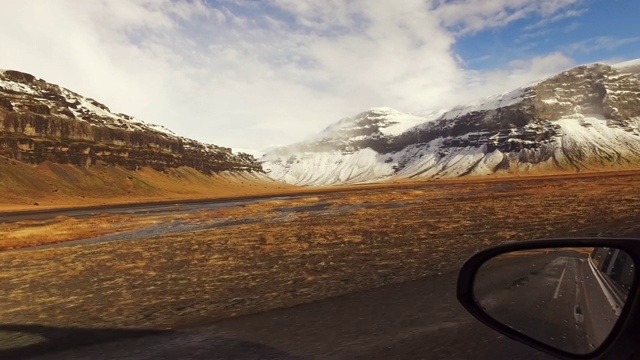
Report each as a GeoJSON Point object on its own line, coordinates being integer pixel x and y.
{"type": "Point", "coordinates": [569, 298]}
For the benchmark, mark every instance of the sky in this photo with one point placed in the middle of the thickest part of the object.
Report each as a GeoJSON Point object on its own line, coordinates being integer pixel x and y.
{"type": "Point", "coordinates": [255, 74]}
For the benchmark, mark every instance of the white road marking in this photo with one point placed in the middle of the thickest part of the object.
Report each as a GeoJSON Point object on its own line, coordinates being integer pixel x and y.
{"type": "Point", "coordinates": [555, 294]}
{"type": "Point", "coordinates": [616, 306]}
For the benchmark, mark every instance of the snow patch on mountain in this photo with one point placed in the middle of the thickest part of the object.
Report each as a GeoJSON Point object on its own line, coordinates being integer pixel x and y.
{"type": "Point", "coordinates": [580, 140]}
{"type": "Point", "coordinates": [14, 86]}
{"type": "Point", "coordinates": [326, 168]}
{"type": "Point", "coordinates": [628, 66]}
{"type": "Point", "coordinates": [396, 122]}
{"type": "Point", "coordinates": [489, 103]}
{"type": "Point", "coordinates": [382, 120]}
{"type": "Point", "coordinates": [596, 137]}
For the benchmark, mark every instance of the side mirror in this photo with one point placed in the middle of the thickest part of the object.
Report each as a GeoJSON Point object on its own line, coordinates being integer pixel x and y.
{"type": "Point", "coordinates": [567, 297]}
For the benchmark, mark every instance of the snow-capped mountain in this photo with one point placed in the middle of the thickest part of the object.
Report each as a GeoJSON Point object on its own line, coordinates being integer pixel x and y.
{"type": "Point", "coordinates": [40, 121]}
{"type": "Point", "coordinates": [582, 119]}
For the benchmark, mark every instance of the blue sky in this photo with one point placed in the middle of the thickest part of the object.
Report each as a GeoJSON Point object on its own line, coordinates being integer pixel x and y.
{"type": "Point", "coordinates": [254, 74]}
{"type": "Point", "coordinates": [601, 30]}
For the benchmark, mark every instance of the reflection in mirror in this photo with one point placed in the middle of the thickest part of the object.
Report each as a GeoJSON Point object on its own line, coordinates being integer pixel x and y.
{"type": "Point", "coordinates": [569, 298]}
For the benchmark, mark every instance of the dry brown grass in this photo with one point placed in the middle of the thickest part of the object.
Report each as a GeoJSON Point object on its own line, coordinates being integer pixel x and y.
{"type": "Point", "coordinates": [359, 240]}
{"type": "Point", "coordinates": [56, 186]}
{"type": "Point", "coordinates": [22, 234]}
{"type": "Point", "coordinates": [60, 229]}
{"type": "Point", "coordinates": [369, 199]}
{"type": "Point", "coordinates": [28, 233]}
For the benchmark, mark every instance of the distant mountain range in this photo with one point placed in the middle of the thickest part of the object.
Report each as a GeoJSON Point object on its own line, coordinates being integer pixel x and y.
{"type": "Point", "coordinates": [585, 118]}
{"type": "Point", "coordinates": [42, 122]}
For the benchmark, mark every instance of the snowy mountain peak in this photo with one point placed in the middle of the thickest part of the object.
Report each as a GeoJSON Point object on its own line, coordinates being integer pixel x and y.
{"type": "Point", "coordinates": [374, 128]}
{"type": "Point", "coordinates": [381, 120]}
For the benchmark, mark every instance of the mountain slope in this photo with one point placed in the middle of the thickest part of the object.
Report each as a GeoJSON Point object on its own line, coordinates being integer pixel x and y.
{"type": "Point", "coordinates": [50, 185]}
{"type": "Point", "coordinates": [40, 122]}
{"type": "Point", "coordinates": [59, 148]}
{"type": "Point", "coordinates": [586, 118]}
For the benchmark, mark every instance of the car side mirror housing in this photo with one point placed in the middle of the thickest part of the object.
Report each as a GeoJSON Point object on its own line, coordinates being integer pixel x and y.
{"type": "Point", "coordinates": [570, 298]}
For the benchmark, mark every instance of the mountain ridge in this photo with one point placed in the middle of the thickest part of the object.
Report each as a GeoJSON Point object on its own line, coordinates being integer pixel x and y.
{"type": "Point", "coordinates": [40, 121]}
{"type": "Point", "coordinates": [581, 119]}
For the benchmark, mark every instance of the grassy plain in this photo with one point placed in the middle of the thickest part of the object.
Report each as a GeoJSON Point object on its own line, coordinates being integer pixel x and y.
{"type": "Point", "coordinates": [283, 252]}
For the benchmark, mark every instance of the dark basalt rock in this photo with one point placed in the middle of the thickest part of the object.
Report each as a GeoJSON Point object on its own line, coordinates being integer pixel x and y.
{"type": "Point", "coordinates": [19, 76]}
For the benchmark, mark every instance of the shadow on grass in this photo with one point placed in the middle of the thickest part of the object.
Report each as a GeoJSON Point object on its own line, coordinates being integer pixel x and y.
{"type": "Point", "coordinates": [20, 341]}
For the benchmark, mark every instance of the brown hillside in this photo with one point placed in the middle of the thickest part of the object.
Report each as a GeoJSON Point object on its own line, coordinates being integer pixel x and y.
{"type": "Point", "coordinates": [50, 185]}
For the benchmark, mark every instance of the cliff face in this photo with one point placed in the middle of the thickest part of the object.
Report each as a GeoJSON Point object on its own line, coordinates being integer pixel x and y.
{"type": "Point", "coordinates": [524, 118]}
{"type": "Point", "coordinates": [41, 122]}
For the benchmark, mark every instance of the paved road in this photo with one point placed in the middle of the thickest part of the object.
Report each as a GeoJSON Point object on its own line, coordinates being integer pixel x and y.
{"type": "Point", "coordinates": [415, 320]}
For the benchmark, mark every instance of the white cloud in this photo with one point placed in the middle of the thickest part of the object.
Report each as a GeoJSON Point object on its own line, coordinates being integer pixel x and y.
{"type": "Point", "coordinates": [600, 43]}
{"type": "Point", "coordinates": [252, 74]}
{"type": "Point", "coordinates": [468, 16]}
{"type": "Point", "coordinates": [572, 27]}
{"type": "Point", "coordinates": [533, 35]}
{"type": "Point", "coordinates": [561, 16]}
{"type": "Point", "coordinates": [517, 73]}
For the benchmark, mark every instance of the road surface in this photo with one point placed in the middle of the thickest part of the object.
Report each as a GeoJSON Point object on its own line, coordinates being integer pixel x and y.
{"type": "Point", "coordinates": [553, 297]}
{"type": "Point", "coordinates": [415, 320]}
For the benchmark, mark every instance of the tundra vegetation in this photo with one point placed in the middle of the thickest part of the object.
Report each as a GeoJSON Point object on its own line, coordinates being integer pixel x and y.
{"type": "Point", "coordinates": [278, 253]}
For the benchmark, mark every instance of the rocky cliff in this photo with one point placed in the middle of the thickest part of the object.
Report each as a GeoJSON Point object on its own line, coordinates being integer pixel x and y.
{"type": "Point", "coordinates": [585, 118]}
{"type": "Point", "coordinates": [41, 122]}
{"type": "Point", "coordinates": [525, 117]}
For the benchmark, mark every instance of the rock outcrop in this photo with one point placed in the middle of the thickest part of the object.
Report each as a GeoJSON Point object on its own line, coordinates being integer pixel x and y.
{"type": "Point", "coordinates": [41, 122]}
